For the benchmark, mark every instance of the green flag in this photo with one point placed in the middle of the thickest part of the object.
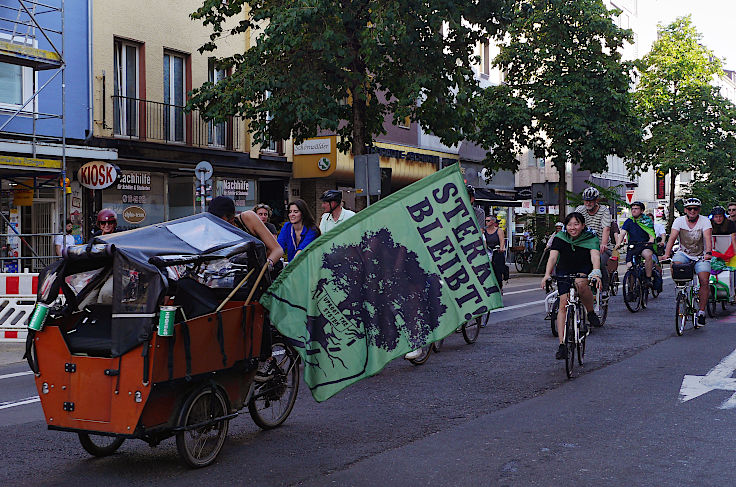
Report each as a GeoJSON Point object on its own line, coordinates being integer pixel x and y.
{"type": "Point", "coordinates": [400, 274]}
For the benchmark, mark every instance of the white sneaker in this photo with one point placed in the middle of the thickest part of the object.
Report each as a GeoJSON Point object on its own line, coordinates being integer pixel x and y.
{"type": "Point", "coordinates": [412, 355]}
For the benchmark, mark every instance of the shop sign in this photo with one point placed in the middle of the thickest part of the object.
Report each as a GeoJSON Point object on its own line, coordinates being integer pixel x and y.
{"type": "Point", "coordinates": [661, 185]}
{"type": "Point", "coordinates": [323, 164]}
{"type": "Point", "coordinates": [98, 175]}
{"type": "Point", "coordinates": [313, 146]}
{"type": "Point", "coordinates": [237, 189]}
{"type": "Point", "coordinates": [134, 214]}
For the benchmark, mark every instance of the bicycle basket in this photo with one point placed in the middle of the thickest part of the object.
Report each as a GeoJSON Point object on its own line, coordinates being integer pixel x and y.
{"type": "Point", "coordinates": [683, 272]}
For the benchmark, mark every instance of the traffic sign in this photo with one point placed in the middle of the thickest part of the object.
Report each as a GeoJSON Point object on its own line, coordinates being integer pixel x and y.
{"type": "Point", "coordinates": [542, 210]}
{"type": "Point", "coordinates": [629, 195]}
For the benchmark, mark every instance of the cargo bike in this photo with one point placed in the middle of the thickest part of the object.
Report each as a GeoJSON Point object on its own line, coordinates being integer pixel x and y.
{"type": "Point", "coordinates": [157, 332]}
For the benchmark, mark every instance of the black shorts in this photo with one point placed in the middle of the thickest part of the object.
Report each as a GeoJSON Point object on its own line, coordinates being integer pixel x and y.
{"type": "Point", "coordinates": [564, 285]}
{"type": "Point", "coordinates": [637, 250]}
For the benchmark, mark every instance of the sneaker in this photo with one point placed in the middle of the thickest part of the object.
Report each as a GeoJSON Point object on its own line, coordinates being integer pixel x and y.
{"type": "Point", "coordinates": [266, 370]}
{"type": "Point", "coordinates": [412, 355]}
{"type": "Point", "coordinates": [604, 297]}
{"type": "Point", "coordinates": [561, 352]}
{"type": "Point", "coordinates": [593, 319]}
{"type": "Point", "coordinates": [701, 318]}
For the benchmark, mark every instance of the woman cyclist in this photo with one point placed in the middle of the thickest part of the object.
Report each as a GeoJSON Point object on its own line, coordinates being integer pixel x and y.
{"type": "Point", "coordinates": [575, 251]}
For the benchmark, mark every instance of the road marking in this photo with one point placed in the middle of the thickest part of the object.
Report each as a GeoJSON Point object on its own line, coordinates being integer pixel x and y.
{"type": "Point", "coordinates": [522, 291]}
{"type": "Point", "coordinates": [17, 374]}
{"type": "Point", "coordinates": [717, 378]}
{"type": "Point", "coordinates": [523, 305]}
{"type": "Point", "coordinates": [20, 402]}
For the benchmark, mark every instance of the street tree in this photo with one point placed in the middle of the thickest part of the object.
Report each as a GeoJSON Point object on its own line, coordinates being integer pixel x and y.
{"type": "Point", "coordinates": [566, 92]}
{"type": "Point", "coordinates": [343, 66]}
{"type": "Point", "coordinates": [682, 114]}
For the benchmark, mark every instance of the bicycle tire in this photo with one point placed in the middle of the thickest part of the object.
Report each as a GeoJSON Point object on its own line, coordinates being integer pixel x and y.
{"type": "Point", "coordinates": [711, 304]}
{"type": "Point", "coordinates": [681, 313]}
{"type": "Point", "coordinates": [570, 342]}
{"type": "Point", "coordinates": [613, 284]}
{"type": "Point", "coordinates": [603, 312]}
{"type": "Point", "coordinates": [631, 291]}
{"type": "Point", "coordinates": [580, 345]}
{"type": "Point", "coordinates": [437, 346]}
{"type": "Point", "coordinates": [273, 400]}
{"type": "Point", "coordinates": [426, 352]}
{"type": "Point", "coordinates": [553, 317]}
{"type": "Point", "coordinates": [519, 262]}
{"type": "Point", "coordinates": [471, 330]}
{"type": "Point", "coordinates": [644, 293]}
{"type": "Point", "coordinates": [98, 445]}
{"type": "Point", "coordinates": [695, 308]}
{"type": "Point", "coordinates": [199, 446]}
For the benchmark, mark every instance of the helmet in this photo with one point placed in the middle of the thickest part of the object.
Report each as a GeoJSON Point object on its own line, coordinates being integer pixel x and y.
{"type": "Point", "coordinates": [332, 195]}
{"type": "Point", "coordinates": [639, 204]}
{"type": "Point", "coordinates": [692, 202]}
{"type": "Point", "coordinates": [107, 215]}
{"type": "Point", "coordinates": [559, 224]}
{"type": "Point", "coordinates": [718, 210]}
{"type": "Point", "coordinates": [590, 194]}
{"type": "Point", "coordinates": [471, 190]}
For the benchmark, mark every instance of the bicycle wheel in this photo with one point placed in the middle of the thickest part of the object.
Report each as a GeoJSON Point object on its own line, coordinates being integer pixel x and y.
{"type": "Point", "coordinates": [580, 345]}
{"type": "Point", "coordinates": [98, 445]}
{"type": "Point", "coordinates": [437, 346]}
{"type": "Point", "coordinates": [200, 445]}
{"type": "Point", "coordinates": [681, 313]}
{"type": "Point", "coordinates": [711, 305]}
{"type": "Point", "coordinates": [426, 351]}
{"type": "Point", "coordinates": [695, 307]}
{"type": "Point", "coordinates": [613, 283]}
{"type": "Point", "coordinates": [603, 312]}
{"type": "Point", "coordinates": [471, 329]}
{"type": "Point", "coordinates": [519, 261]}
{"type": "Point", "coordinates": [553, 317]}
{"type": "Point", "coordinates": [644, 292]}
{"type": "Point", "coordinates": [272, 401]}
{"type": "Point", "coordinates": [632, 291]}
{"type": "Point", "coordinates": [570, 342]}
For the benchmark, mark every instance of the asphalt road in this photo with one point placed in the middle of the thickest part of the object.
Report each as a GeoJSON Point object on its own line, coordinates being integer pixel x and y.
{"type": "Point", "coordinates": [499, 412]}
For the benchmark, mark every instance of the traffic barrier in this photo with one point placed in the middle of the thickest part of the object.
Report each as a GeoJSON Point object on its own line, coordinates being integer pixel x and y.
{"type": "Point", "coordinates": [17, 300]}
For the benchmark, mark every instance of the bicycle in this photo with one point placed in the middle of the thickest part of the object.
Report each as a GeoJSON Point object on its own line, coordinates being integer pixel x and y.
{"type": "Point", "coordinates": [552, 304]}
{"type": "Point", "coordinates": [687, 301]}
{"type": "Point", "coordinates": [636, 291]}
{"type": "Point", "coordinates": [522, 256]}
{"type": "Point", "coordinates": [574, 340]}
{"type": "Point", "coordinates": [470, 331]}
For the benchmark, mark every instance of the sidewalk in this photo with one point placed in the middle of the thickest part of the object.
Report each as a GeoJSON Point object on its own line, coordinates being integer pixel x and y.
{"type": "Point", "coordinates": [11, 353]}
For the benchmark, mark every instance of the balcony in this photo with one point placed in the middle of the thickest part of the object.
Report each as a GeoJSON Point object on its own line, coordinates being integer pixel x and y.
{"type": "Point", "coordinates": [153, 121]}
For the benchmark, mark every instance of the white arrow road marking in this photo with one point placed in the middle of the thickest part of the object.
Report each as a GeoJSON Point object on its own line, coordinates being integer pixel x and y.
{"type": "Point", "coordinates": [719, 377]}
{"type": "Point", "coordinates": [20, 402]}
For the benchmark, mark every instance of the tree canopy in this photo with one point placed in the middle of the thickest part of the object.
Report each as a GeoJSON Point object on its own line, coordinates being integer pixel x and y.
{"type": "Point", "coordinates": [322, 64]}
{"type": "Point", "coordinates": [689, 126]}
{"type": "Point", "coordinates": [566, 94]}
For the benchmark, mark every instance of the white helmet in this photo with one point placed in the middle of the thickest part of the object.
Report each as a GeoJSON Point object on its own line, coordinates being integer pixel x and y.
{"type": "Point", "coordinates": [590, 194]}
{"type": "Point", "coordinates": [692, 202]}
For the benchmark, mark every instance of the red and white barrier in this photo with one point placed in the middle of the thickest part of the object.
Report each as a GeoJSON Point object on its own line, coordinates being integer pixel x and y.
{"type": "Point", "coordinates": [17, 300]}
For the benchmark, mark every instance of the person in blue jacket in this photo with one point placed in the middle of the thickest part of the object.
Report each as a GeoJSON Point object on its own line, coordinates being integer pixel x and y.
{"type": "Point", "coordinates": [299, 231]}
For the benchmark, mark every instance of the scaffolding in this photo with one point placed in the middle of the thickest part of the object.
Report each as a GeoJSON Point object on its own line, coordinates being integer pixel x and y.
{"type": "Point", "coordinates": [25, 25]}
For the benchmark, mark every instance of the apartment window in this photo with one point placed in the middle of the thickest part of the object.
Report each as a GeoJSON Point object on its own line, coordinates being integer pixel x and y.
{"type": "Point", "coordinates": [125, 89]}
{"type": "Point", "coordinates": [216, 131]}
{"type": "Point", "coordinates": [269, 145]}
{"type": "Point", "coordinates": [16, 83]}
{"type": "Point", "coordinates": [174, 97]}
{"type": "Point", "coordinates": [405, 123]}
{"type": "Point", "coordinates": [485, 59]}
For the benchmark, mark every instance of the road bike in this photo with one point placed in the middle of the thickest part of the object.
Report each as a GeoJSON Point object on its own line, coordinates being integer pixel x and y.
{"type": "Point", "coordinates": [576, 316]}
{"type": "Point", "coordinates": [636, 291]}
{"type": "Point", "coordinates": [687, 301]}
{"type": "Point", "coordinates": [470, 331]}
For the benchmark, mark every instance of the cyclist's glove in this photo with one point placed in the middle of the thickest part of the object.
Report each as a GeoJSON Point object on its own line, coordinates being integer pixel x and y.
{"type": "Point", "coordinates": [595, 273]}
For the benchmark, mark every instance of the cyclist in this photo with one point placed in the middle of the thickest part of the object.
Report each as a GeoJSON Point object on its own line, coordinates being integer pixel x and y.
{"type": "Point", "coordinates": [598, 219]}
{"type": "Point", "coordinates": [574, 251]}
{"type": "Point", "coordinates": [640, 229]}
{"type": "Point", "coordinates": [480, 213]}
{"type": "Point", "coordinates": [694, 231]}
{"type": "Point", "coordinates": [722, 225]}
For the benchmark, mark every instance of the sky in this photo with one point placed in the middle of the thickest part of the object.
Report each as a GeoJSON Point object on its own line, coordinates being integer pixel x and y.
{"type": "Point", "coordinates": [714, 19]}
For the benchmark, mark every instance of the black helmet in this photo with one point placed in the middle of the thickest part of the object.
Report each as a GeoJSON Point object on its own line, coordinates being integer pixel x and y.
{"type": "Point", "coordinates": [718, 210]}
{"type": "Point", "coordinates": [471, 190]}
{"type": "Point", "coordinates": [639, 204]}
{"type": "Point", "coordinates": [332, 195]}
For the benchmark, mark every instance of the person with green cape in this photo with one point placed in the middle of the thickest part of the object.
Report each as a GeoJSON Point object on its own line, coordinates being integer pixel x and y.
{"type": "Point", "coordinates": [575, 250]}
{"type": "Point", "coordinates": [640, 229]}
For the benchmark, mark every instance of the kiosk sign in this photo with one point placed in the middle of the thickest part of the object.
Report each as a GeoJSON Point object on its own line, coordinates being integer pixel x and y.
{"type": "Point", "coordinates": [98, 175]}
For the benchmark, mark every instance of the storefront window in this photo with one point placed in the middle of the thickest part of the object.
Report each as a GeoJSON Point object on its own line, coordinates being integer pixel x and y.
{"type": "Point", "coordinates": [242, 191]}
{"type": "Point", "coordinates": [181, 197]}
{"type": "Point", "coordinates": [137, 199]}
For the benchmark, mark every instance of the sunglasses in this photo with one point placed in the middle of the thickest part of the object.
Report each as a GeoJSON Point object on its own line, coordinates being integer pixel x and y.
{"type": "Point", "coordinates": [692, 208]}
{"type": "Point", "coordinates": [107, 223]}
{"type": "Point", "coordinates": [731, 210]}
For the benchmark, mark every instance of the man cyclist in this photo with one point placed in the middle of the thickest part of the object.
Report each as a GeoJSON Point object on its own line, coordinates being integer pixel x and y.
{"type": "Point", "coordinates": [694, 231]}
{"type": "Point", "coordinates": [598, 219]}
{"type": "Point", "coordinates": [732, 211]}
{"type": "Point", "coordinates": [640, 229]}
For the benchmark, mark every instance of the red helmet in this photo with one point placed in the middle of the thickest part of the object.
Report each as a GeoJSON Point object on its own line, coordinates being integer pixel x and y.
{"type": "Point", "coordinates": [107, 215]}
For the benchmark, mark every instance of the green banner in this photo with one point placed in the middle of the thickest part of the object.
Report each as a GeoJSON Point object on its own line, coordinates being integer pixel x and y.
{"type": "Point", "coordinates": [400, 274]}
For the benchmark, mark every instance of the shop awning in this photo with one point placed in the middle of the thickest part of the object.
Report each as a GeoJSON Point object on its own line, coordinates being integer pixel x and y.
{"type": "Point", "coordinates": [489, 196]}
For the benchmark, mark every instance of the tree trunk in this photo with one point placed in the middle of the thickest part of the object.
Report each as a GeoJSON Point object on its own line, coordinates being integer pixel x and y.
{"type": "Point", "coordinates": [359, 116]}
{"type": "Point", "coordinates": [562, 202]}
{"type": "Point", "coordinates": [671, 205]}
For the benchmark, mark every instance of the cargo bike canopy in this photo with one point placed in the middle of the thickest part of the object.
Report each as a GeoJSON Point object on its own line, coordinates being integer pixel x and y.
{"type": "Point", "coordinates": [129, 274]}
